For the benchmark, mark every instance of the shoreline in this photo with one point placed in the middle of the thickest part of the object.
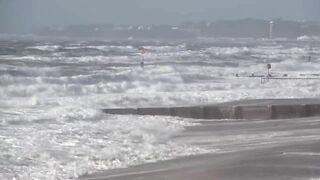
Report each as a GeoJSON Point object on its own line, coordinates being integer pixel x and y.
{"type": "Point", "coordinates": [269, 163]}
{"type": "Point", "coordinates": [246, 149]}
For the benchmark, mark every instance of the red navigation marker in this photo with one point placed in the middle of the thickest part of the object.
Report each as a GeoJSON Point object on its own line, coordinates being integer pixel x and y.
{"type": "Point", "coordinates": [142, 50]}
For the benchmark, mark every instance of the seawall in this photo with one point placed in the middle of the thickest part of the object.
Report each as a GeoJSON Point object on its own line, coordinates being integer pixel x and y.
{"type": "Point", "coordinates": [245, 109]}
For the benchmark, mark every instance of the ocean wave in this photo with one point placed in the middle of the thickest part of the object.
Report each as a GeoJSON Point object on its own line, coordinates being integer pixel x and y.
{"type": "Point", "coordinates": [79, 141]}
{"type": "Point", "coordinates": [45, 47]}
{"type": "Point", "coordinates": [55, 98]}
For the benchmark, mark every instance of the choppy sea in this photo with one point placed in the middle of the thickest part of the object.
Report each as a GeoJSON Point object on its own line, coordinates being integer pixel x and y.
{"type": "Point", "coordinates": [52, 93]}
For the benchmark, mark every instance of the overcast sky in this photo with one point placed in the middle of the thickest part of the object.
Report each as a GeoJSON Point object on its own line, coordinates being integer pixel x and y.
{"type": "Point", "coordinates": [29, 15]}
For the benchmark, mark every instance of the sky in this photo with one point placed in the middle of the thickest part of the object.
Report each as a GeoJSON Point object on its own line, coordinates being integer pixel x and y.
{"type": "Point", "coordinates": [23, 16]}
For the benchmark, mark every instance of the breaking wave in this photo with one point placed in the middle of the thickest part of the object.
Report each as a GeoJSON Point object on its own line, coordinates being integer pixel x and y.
{"type": "Point", "coordinates": [51, 95]}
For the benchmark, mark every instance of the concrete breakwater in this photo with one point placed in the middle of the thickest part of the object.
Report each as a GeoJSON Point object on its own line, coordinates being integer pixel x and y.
{"type": "Point", "coordinates": [245, 109]}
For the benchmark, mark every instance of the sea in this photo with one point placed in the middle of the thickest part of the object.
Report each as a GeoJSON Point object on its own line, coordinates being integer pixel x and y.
{"type": "Point", "coordinates": [52, 93]}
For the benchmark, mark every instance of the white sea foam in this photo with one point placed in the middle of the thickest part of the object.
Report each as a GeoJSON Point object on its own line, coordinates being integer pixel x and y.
{"type": "Point", "coordinates": [65, 142]}
{"type": "Point", "coordinates": [165, 49]}
{"type": "Point", "coordinates": [45, 47]}
{"type": "Point", "coordinates": [114, 48]}
{"type": "Point", "coordinates": [228, 50]}
{"type": "Point", "coordinates": [50, 118]}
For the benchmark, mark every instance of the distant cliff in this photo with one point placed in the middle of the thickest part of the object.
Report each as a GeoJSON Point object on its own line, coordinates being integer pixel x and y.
{"type": "Point", "coordinates": [233, 28]}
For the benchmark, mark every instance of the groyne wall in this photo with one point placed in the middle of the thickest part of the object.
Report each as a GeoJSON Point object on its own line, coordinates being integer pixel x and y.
{"type": "Point", "coordinates": [254, 109]}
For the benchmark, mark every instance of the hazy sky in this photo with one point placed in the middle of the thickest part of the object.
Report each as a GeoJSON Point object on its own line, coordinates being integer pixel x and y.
{"type": "Point", "coordinates": [28, 15]}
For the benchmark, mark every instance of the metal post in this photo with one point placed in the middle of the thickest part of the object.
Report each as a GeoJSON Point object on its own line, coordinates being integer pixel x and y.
{"type": "Point", "coordinates": [271, 30]}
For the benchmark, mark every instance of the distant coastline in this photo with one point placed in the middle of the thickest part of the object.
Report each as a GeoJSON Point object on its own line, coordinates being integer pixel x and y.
{"type": "Point", "coordinates": [245, 28]}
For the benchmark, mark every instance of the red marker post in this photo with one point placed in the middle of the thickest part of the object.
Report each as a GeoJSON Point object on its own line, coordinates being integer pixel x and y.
{"type": "Point", "coordinates": [142, 51]}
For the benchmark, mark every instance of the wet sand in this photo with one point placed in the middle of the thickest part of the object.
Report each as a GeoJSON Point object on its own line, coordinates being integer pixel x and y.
{"type": "Point", "coordinates": [241, 150]}
{"type": "Point", "coordinates": [268, 163]}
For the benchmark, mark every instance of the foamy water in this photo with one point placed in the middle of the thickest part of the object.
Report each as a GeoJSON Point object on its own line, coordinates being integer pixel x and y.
{"type": "Point", "coordinates": [51, 95]}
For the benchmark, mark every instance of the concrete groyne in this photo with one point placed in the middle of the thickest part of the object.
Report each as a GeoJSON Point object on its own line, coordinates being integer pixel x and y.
{"type": "Point", "coordinates": [246, 109]}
